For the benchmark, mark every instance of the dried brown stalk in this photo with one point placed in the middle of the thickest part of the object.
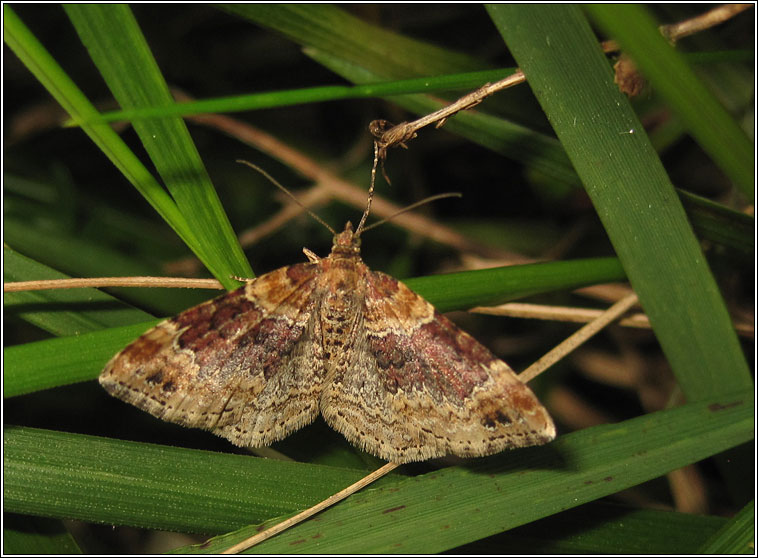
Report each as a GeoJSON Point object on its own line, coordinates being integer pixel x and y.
{"type": "Point", "coordinates": [564, 348]}
{"type": "Point", "coordinates": [99, 282]}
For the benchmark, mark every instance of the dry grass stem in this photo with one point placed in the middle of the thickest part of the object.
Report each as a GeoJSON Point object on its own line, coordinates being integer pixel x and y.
{"type": "Point", "coordinates": [579, 315]}
{"type": "Point", "coordinates": [564, 348]}
{"type": "Point", "coordinates": [556, 313]}
{"type": "Point", "coordinates": [100, 282]}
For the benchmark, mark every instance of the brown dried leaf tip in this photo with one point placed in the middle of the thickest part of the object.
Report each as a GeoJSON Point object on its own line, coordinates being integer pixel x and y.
{"type": "Point", "coordinates": [330, 336]}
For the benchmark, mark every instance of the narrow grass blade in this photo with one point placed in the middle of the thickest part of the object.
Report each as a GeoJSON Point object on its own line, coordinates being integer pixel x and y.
{"type": "Point", "coordinates": [332, 29]}
{"type": "Point", "coordinates": [94, 479]}
{"type": "Point", "coordinates": [445, 509]}
{"type": "Point", "coordinates": [289, 97]}
{"type": "Point", "coordinates": [64, 360]}
{"type": "Point", "coordinates": [631, 191]}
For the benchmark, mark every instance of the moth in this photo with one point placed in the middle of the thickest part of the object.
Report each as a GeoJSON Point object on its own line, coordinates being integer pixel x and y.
{"type": "Point", "coordinates": [330, 336]}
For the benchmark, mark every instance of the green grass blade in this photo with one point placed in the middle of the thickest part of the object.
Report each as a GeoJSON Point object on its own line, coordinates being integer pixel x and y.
{"type": "Point", "coordinates": [736, 537]}
{"type": "Point", "coordinates": [461, 291]}
{"type": "Point", "coordinates": [61, 311]}
{"type": "Point", "coordinates": [721, 225]}
{"type": "Point", "coordinates": [120, 52]}
{"type": "Point", "coordinates": [631, 192]}
{"type": "Point", "coordinates": [67, 94]}
{"type": "Point", "coordinates": [289, 97]}
{"type": "Point", "coordinates": [334, 30]}
{"type": "Point", "coordinates": [64, 360]}
{"type": "Point", "coordinates": [57, 474]}
{"type": "Point", "coordinates": [61, 361]}
{"type": "Point", "coordinates": [668, 71]}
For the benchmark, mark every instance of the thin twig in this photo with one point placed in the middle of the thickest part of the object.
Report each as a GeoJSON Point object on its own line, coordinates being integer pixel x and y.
{"type": "Point", "coordinates": [99, 282]}
{"type": "Point", "coordinates": [302, 516]}
{"type": "Point", "coordinates": [572, 342]}
{"type": "Point", "coordinates": [556, 313]}
{"type": "Point", "coordinates": [388, 135]}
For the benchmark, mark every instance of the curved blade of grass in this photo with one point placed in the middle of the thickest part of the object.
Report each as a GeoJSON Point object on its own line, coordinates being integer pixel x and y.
{"type": "Point", "coordinates": [61, 311]}
{"type": "Point", "coordinates": [631, 191]}
{"type": "Point", "coordinates": [289, 97]}
{"type": "Point", "coordinates": [633, 26]}
{"type": "Point", "coordinates": [54, 362]}
{"type": "Point", "coordinates": [736, 537]}
{"type": "Point", "coordinates": [334, 30]}
{"type": "Point", "coordinates": [719, 224]}
{"type": "Point", "coordinates": [54, 79]}
{"type": "Point", "coordinates": [119, 50]}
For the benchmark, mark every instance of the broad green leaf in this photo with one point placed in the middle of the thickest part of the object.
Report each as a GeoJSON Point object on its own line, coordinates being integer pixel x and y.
{"type": "Point", "coordinates": [444, 509]}
{"type": "Point", "coordinates": [95, 479]}
{"type": "Point", "coordinates": [63, 360]}
{"type": "Point", "coordinates": [104, 480]}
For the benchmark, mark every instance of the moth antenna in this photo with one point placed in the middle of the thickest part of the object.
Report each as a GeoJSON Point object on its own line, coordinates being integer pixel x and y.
{"type": "Point", "coordinates": [414, 206]}
{"type": "Point", "coordinates": [359, 230]}
{"type": "Point", "coordinates": [290, 194]}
